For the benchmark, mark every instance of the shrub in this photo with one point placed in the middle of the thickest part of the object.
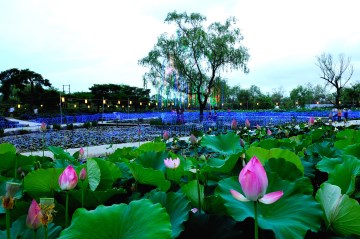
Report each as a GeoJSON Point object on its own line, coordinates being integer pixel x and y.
{"type": "Point", "coordinates": [56, 126]}
{"type": "Point", "coordinates": [94, 123]}
{"type": "Point", "coordinates": [87, 125]}
{"type": "Point", "coordinates": [157, 121]}
{"type": "Point", "coordinates": [70, 126]}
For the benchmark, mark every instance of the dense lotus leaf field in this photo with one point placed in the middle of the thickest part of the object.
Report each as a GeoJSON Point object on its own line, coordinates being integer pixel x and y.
{"type": "Point", "coordinates": [136, 193]}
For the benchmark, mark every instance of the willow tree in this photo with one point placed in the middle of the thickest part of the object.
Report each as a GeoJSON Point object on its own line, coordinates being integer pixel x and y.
{"type": "Point", "coordinates": [197, 53]}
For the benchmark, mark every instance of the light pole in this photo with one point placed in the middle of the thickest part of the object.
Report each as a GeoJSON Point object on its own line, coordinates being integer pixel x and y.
{"type": "Point", "coordinates": [60, 109]}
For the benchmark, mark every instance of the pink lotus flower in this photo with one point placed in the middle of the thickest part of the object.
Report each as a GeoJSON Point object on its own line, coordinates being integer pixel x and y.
{"type": "Point", "coordinates": [82, 174]}
{"type": "Point", "coordinates": [311, 121]}
{"type": "Point", "coordinates": [233, 124]}
{"type": "Point", "coordinates": [194, 210]}
{"type": "Point", "coordinates": [172, 163]}
{"type": "Point", "coordinates": [43, 127]}
{"type": "Point", "coordinates": [247, 123]}
{"type": "Point", "coordinates": [33, 219]}
{"type": "Point", "coordinates": [193, 139]}
{"type": "Point", "coordinates": [81, 152]}
{"type": "Point", "coordinates": [254, 182]}
{"type": "Point", "coordinates": [68, 179]}
{"type": "Point", "coordinates": [269, 132]}
{"type": "Point", "coordinates": [166, 135]}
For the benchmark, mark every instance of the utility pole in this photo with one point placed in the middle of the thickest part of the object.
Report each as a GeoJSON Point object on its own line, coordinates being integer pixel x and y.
{"type": "Point", "coordinates": [64, 88]}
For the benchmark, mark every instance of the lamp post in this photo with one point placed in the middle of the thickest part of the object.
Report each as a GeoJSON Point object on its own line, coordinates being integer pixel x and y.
{"type": "Point", "coordinates": [60, 99]}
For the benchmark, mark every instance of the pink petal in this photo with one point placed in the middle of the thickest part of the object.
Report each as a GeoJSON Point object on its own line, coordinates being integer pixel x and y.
{"type": "Point", "coordinates": [271, 197]}
{"type": "Point", "coordinates": [238, 196]}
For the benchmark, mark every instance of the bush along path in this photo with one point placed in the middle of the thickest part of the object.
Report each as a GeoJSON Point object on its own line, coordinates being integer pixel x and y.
{"type": "Point", "coordinates": [293, 181]}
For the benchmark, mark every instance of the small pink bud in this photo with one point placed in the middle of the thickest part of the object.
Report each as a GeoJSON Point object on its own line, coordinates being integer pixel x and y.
{"type": "Point", "coordinates": [33, 219]}
{"type": "Point", "coordinates": [166, 135]}
{"type": "Point", "coordinates": [242, 143]}
{"type": "Point", "coordinates": [193, 139]}
{"type": "Point", "coordinates": [82, 174]}
{"type": "Point", "coordinates": [247, 123]}
{"type": "Point", "coordinates": [194, 210]}
{"type": "Point", "coordinates": [81, 152]}
{"type": "Point", "coordinates": [269, 132]}
{"type": "Point", "coordinates": [43, 127]}
{"type": "Point", "coordinates": [233, 124]}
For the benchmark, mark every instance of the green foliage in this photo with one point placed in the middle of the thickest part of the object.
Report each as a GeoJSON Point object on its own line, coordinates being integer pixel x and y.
{"type": "Point", "coordinates": [120, 221]}
{"type": "Point", "coordinates": [223, 143]}
{"type": "Point", "coordinates": [176, 205]}
{"type": "Point", "coordinates": [342, 214]}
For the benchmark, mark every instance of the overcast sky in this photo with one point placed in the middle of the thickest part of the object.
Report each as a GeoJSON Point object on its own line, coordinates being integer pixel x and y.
{"type": "Point", "coordinates": [82, 43]}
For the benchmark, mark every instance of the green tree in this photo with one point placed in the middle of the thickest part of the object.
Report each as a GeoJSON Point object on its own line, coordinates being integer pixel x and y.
{"type": "Point", "coordinates": [20, 79]}
{"type": "Point", "coordinates": [196, 54]}
{"type": "Point", "coordinates": [336, 75]}
{"type": "Point", "coordinates": [300, 95]}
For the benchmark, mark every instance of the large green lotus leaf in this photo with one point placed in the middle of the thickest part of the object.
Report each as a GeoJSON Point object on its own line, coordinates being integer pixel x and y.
{"type": "Point", "coordinates": [288, 171]}
{"type": "Point", "coordinates": [347, 137]}
{"type": "Point", "coordinates": [59, 153]}
{"type": "Point", "coordinates": [317, 134]}
{"type": "Point", "coordinates": [95, 198]}
{"type": "Point", "coordinates": [7, 161]}
{"type": "Point", "coordinates": [263, 155]}
{"type": "Point", "coordinates": [20, 230]}
{"type": "Point", "coordinates": [223, 143]}
{"type": "Point", "coordinates": [139, 219]}
{"type": "Point", "coordinates": [42, 181]}
{"type": "Point", "coordinates": [152, 159]}
{"type": "Point", "coordinates": [109, 174]}
{"type": "Point", "coordinates": [290, 217]}
{"type": "Point", "coordinates": [327, 165]}
{"type": "Point", "coordinates": [344, 174]}
{"type": "Point", "coordinates": [323, 149]}
{"type": "Point", "coordinates": [191, 191]}
{"type": "Point", "coordinates": [222, 165]}
{"type": "Point", "coordinates": [152, 146]}
{"type": "Point", "coordinates": [276, 143]}
{"type": "Point", "coordinates": [176, 205]}
{"type": "Point", "coordinates": [121, 153]}
{"type": "Point", "coordinates": [149, 176]}
{"type": "Point", "coordinates": [7, 148]}
{"type": "Point", "coordinates": [93, 173]}
{"type": "Point", "coordinates": [342, 213]}
{"type": "Point", "coordinates": [353, 150]}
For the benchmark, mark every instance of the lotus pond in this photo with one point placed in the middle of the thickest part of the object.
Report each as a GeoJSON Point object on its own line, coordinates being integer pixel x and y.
{"type": "Point", "coordinates": [191, 188]}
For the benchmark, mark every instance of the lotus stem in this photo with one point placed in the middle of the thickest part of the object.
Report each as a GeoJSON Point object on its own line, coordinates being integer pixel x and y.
{"type": "Point", "coordinates": [45, 232]}
{"type": "Point", "coordinates": [256, 219]}
{"type": "Point", "coordinates": [43, 144]}
{"type": "Point", "coordinates": [198, 189]}
{"type": "Point", "coordinates": [82, 195]}
{"type": "Point", "coordinates": [8, 224]}
{"type": "Point", "coordinates": [34, 233]}
{"type": "Point", "coordinates": [66, 208]}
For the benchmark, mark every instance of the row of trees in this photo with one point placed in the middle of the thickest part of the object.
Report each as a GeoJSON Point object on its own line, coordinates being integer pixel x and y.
{"type": "Point", "coordinates": [199, 55]}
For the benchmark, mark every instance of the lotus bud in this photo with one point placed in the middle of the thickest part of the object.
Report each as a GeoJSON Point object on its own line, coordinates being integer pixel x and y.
{"type": "Point", "coordinates": [34, 216]}
{"type": "Point", "coordinates": [68, 179]}
{"type": "Point", "coordinates": [82, 174]}
{"type": "Point", "coordinates": [166, 135]}
{"type": "Point", "coordinates": [247, 124]}
{"type": "Point", "coordinates": [193, 139]}
{"type": "Point", "coordinates": [233, 124]}
{"type": "Point", "coordinates": [43, 127]}
{"type": "Point", "coordinates": [242, 143]}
